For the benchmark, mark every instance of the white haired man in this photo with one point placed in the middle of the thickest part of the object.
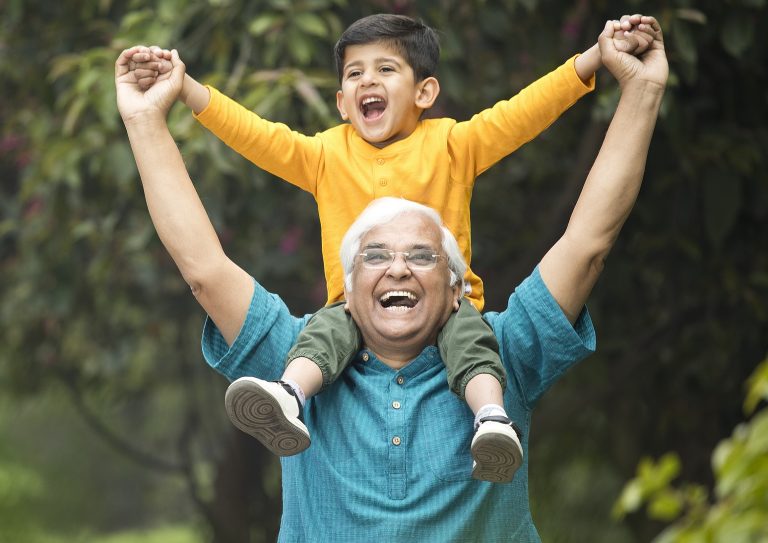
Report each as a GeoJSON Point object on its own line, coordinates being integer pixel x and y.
{"type": "Point", "coordinates": [390, 438]}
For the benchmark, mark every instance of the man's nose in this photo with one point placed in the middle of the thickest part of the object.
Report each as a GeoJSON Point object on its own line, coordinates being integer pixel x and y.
{"type": "Point", "coordinates": [399, 267]}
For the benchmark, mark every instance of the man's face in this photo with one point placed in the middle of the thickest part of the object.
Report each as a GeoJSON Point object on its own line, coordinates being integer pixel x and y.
{"type": "Point", "coordinates": [379, 95]}
{"type": "Point", "coordinates": [400, 311]}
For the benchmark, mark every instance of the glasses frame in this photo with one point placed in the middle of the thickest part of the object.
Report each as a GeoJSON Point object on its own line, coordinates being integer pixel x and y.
{"type": "Point", "coordinates": [393, 254]}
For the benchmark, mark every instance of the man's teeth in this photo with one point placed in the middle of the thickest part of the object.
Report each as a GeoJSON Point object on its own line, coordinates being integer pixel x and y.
{"type": "Point", "coordinates": [371, 100]}
{"type": "Point", "coordinates": [399, 293]}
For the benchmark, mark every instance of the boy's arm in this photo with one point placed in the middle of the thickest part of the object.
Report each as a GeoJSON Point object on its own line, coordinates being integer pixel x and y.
{"type": "Point", "coordinates": [498, 131]}
{"type": "Point", "coordinates": [274, 147]}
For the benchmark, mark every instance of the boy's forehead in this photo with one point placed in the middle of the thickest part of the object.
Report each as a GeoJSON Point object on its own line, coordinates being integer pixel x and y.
{"type": "Point", "coordinates": [371, 50]}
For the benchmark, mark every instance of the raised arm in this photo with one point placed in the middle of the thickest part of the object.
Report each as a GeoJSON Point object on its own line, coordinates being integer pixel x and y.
{"type": "Point", "coordinates": [572, 266]}
{"type": "Point", "coordinates": [220, 286]}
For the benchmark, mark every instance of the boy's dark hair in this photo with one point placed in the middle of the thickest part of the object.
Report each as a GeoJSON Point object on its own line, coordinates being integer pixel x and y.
{"type": "Point", "coordinates": [413, 40]}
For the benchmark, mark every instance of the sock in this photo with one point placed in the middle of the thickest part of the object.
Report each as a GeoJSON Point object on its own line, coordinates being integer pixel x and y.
{"type": "Point", "coordinates": [489, 410]}
{"type": "Point", "coordinates": [296, 390]}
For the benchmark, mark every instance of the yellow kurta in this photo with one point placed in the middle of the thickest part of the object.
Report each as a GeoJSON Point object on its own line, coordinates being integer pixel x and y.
{"type": "Point", "coordinates": [436, 165]}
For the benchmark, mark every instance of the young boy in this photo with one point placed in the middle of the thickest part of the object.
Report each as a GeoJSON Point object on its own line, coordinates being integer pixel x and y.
{"type": "Point", "coordinates": [386, 66]}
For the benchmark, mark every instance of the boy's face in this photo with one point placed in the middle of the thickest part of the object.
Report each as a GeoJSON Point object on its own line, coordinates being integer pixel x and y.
{"type": "Point", "coordinates": [379, 95]}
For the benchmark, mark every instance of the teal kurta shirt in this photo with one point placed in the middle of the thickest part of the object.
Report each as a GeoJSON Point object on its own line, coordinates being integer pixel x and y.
{"type": "Point", "coordinates": [389, 459]}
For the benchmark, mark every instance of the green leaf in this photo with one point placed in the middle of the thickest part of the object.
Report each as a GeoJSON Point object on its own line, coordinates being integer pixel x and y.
{"type": "Point", "coordinates": [263, 23]}
{"type": "Point", "coordinates": [737, 33]}
{"type": "Point", "coordinates": [311, 24]}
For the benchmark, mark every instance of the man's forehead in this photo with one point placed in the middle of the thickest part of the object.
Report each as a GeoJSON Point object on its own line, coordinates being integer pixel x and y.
{"type": "Point", "coordinates": [406, 230]}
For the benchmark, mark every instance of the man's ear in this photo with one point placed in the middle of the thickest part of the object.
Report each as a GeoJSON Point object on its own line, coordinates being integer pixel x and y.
{"type": "Point", "coordinates": [427, 92]}
{"type": "Point", "coordinates": [456, 296]}
{"type": "Point", "coordinates": [340, 105]}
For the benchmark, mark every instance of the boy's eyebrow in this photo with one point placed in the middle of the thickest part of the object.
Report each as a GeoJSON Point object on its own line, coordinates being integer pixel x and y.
{"type": "Point", "coordinates": [379, 60]}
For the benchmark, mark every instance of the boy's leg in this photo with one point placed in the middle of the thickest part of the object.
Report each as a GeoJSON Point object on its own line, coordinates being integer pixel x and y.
{"type": "Point", "coordinates": [475, 373]}
{"type": "Point", "coordinates": [272, 412]}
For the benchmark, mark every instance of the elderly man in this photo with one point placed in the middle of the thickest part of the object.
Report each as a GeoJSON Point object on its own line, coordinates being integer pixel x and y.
{"type": "Point", "coordinates": [388, 458]}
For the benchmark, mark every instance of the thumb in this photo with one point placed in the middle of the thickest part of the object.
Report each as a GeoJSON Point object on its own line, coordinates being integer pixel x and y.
{"type": "Point", "coordinates": [178, 68]}
{"type": "Point", "coordinates": [605, 39]}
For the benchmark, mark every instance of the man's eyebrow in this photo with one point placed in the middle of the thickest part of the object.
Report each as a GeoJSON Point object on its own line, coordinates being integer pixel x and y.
{"type": "Point", "coordinates": [374, 245]}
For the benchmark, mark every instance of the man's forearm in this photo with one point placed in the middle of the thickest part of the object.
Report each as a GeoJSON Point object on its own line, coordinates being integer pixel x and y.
{"type": "Point", "coordinates": [174, 206]}
{"type": "Point", "coordinates": [616, 176]}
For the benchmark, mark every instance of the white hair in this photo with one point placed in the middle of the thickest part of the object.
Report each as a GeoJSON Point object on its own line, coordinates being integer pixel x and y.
{"type": "Point", "coordinates": [384, 210]}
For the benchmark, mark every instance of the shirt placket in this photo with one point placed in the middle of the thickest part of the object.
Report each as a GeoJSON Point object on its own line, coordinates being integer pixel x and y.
{"type": "Point", "coordinates": [397, 438]}
{"type": "Point", "coordinates": [381, 177]}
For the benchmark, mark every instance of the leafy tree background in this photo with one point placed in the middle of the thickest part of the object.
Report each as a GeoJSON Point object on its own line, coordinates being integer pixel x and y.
{"type": "Point", "coordinates": [112, 426]}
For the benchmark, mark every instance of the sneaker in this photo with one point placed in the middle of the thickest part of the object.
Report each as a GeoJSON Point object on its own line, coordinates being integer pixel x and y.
{"type": "Point", "coordinates": [270, 412]}
{"type": "Point", "coordinates": [496, 450]}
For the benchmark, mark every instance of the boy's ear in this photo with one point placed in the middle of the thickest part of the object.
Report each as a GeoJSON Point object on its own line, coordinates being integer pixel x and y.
{"type": "Point", "coordinates": [340, 105]}
{"type": "Point", "coordinates": [427, 92]}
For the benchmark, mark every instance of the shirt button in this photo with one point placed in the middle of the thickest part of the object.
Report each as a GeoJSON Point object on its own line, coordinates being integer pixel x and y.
{"type": "Point", "coordinates": [400, 379]}
{"type": "Point", "coordinates": [380, 161]}
{"type": "Point", "coordinates": [396, 440]}
{"type": "Point", "coordinates": [396, 404]}
{"type": "Point", "coordinates": [383, 182]}
{"type": "Point", "coordinates": [365, 357]}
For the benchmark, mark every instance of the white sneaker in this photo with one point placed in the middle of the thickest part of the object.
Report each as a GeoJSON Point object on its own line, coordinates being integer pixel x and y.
{"type": "Point", "coordinates": [496, 450]}
{"type": "Point", "coordinates": [270, 412]}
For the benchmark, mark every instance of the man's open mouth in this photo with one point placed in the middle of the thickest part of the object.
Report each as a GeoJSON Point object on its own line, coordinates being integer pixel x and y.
{"type": "Point", "coordinates": [372, 107]}
{"type": "Point", "coordinates": [398, 300]}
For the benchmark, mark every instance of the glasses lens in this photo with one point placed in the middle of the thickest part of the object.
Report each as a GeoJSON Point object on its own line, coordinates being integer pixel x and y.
{"type": "Point", "coordinates": [377, 258]}
{"type": "Point", "coordinates": [421, 259]}
{"type": "Point", "coordinates": [383, 258]}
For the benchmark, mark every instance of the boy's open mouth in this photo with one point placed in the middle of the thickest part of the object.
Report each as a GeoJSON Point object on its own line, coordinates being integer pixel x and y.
{"type": "Point", "coordinates": [398, 300]}
{"type": "Point", "coordinates": [372, 107]}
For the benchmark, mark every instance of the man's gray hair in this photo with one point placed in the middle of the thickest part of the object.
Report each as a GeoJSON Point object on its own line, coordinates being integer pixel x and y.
{"type": "Point", "coordinates": [384, 210]}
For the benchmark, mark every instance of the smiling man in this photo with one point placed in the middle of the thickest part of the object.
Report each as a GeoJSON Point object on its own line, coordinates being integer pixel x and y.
{"type": "Point", "coordinates": [388, 461]}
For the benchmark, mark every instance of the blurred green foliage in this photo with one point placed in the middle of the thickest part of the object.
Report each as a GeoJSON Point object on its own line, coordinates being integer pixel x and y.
{"type": "Point", "coordinates": [100, 370]}
{"type": "Point", "coordinates": [738, 509]}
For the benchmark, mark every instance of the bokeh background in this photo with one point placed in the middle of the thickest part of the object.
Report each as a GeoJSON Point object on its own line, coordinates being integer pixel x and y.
{"type": "Point", "coordinates": [112, 429]}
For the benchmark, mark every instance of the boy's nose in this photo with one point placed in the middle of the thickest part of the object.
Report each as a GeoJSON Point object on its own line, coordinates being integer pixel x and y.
{"type": "Point", "coordinates": [368, 78]}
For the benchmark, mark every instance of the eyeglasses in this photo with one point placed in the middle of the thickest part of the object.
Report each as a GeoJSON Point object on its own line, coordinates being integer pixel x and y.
{"type": "Point", "coordinates": [383, 258]}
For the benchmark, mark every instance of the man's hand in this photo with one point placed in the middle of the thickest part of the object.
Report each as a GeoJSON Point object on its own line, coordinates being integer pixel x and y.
{"type": "Point", "coordinates": [133, 99]}
{"type": "Point", "coordinates": [632, 34]}
{"type": "Point", "coordinates": [650, 64]}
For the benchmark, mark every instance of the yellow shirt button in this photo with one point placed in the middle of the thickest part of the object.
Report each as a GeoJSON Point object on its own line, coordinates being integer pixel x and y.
{"type": "Point", "coordinates": [380, 161]}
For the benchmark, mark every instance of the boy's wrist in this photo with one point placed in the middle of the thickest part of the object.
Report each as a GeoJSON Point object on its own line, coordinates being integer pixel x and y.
{"type": "Point", "coordinates": [587, 63]}
{"type": "Point", "coordinates": [194, 95]}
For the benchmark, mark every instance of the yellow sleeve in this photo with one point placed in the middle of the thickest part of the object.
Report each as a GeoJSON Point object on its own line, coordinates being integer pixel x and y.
{"type": "Point", "coordinates": [273, 147]}
{"type": "Point", "coordinates": [496, 132]}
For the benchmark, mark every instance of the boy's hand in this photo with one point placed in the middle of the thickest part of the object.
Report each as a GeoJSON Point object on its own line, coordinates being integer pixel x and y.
{"type": "Point", "coordinates": [150, 65]}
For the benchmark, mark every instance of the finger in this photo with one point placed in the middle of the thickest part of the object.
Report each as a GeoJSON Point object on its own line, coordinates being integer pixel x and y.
{"type": "Point", "coordinates": [122, 64]}
{"type": "Point", "coordinates": [145, 82]}
{"type": "Point", "coordinates": [177, 72]}
{"type": "Point", "coordinates": [625, 23]}
{"type": "Point", "coordinates": [651, 22]}
{"type": "Point", "coordinates": [142, 73]}
{"type": "Point", "coordinates": [606, 36]}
